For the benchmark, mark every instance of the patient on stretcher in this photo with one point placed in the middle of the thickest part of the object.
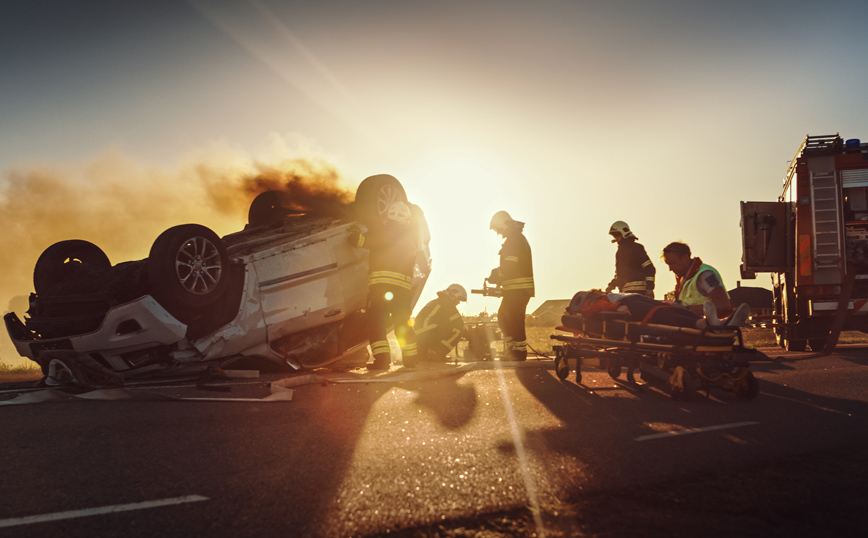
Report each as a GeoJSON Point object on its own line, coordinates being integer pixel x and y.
{"type": "Point", "coordinates": [643, 309]}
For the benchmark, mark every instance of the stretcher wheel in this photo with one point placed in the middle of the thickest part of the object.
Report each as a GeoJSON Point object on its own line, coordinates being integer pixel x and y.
{"type": "Point", "coordinates": [681, 385]}
{"type": "Point", "coordinates": [614, 370]}
{"type": "Point", "coordinates": [748, 388]}
{"type": "Point", "coordinates": [562, 368]}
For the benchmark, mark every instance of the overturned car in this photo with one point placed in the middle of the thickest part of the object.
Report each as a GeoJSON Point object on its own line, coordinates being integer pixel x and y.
{"type": "Point", "coordinates": [288, 289]}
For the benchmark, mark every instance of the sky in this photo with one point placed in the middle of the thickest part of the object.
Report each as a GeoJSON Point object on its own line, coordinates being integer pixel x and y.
{"type": "Point", "coordinates": [119, 119]}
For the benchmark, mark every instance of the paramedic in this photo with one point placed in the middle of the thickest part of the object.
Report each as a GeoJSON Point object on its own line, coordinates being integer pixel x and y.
{"type": "Point", "coordinates": [439, 325]}
{"type": "Point", "coordinates": [391, 261]}
{"type": "Point", "coordinates": [696, 283]}
{"type": "Point", "coordinates": [634, 272]}
{"type": "Point", "coordinates": [515, 276]}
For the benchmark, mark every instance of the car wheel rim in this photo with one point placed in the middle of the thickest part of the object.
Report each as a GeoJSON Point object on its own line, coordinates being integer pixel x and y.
{"type": "Point", "coordinates": [198, 266]}
{"type": "Point", "coordinates": [387, 195]}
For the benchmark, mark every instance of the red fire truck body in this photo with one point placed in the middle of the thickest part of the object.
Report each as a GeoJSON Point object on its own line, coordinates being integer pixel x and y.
{"type": "Point", "coordinates": [814, 242]}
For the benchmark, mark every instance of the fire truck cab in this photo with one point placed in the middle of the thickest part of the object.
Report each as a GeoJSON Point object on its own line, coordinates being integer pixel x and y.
{"type": "Point", "coordinates": [814, 242]}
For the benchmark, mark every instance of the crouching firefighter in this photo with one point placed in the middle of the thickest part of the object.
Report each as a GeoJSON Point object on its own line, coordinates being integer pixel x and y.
{"type": "Point", "coordinates": [515, 276]}
{"type": "Point", "coordinates": [392, 257]}
{"type": "Point", "coordinates": [634, 271]}
{"type": "Point", "coordinates": [439, 325]}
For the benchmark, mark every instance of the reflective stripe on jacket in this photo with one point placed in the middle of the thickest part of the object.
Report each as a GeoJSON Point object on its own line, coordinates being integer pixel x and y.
{"type": "Point", "coordinates": [516, 264]}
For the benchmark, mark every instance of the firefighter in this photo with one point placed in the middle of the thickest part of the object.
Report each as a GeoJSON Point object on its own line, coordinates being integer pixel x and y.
{"type": "Point", "coordinates": [696, 283]}
{"type": "Point", "coordinates": [391, 261]}
{"type": "Point", "coordinates": [634, 272]}
{"type": "Point", "coordinates": [439, 325]}
{"type": "Point", "coordinates": [515, 276]}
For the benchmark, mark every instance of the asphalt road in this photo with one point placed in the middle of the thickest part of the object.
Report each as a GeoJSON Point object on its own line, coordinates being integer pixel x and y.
{"type": "Point", "coordinates": [363, 454]}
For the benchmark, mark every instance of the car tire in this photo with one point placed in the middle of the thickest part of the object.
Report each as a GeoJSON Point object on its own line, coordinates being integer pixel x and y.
{"type": "Point", "coordinates": [267, 208]}
{"type": "Point", "coordinates": [188, 270]}
{"type": "Point", "coordinates": [373, 198]}
{"type": "Point", "coordinates": [59, 263]}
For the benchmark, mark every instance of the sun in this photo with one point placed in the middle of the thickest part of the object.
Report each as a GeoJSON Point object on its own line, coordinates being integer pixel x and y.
{"type": "Point", "coordinates": [459, 190]}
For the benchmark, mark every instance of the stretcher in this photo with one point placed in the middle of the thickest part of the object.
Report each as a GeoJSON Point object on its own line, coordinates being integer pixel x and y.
{"type": "Point", "coordinates": [688, 359]}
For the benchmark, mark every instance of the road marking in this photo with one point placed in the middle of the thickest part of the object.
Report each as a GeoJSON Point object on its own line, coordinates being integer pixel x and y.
{"type": "Point", "coordinates": [693, 430]}
{"type": "Point", "coordinates": [71, 514]}
{"type": "Point", "coordinates": [522, 456]}
{"type": "Point", "coordinates": [809, 404]}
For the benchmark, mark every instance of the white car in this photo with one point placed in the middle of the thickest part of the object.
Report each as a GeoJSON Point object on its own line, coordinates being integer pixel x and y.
{"type": "Point", "coordinates": [289, 289]}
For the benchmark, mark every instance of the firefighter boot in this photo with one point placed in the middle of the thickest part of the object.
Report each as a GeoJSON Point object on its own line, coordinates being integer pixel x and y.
{"type": "Point", "coordinates": [382, 356]}
{"type": "Point", "coordinates": [518, 351]}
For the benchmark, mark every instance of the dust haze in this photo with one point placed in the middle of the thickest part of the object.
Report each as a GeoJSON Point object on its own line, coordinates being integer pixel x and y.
{"type": "Point", "coordinates": [122, 205]}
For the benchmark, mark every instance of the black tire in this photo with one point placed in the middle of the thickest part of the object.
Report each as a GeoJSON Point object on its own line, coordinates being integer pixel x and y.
{"type": "Point", "coordinates": [796, 345]}
{"type": "Point", "coordinates": [373, 198]}
{"type": "Point", "coordinates": [268, 207]}
{"type": "Point", "coordinates": [60, 263]}
{"type": "Point", "coordinates": [562, 367]}
{"type": "Point", "coordinates": [817, 344]}
{"type": "Point", "coordinates": [614, 368]}
{"type": "Point", "coordinates": [687, 389]}
{"type": "Point", "coordinates": [750, 387]}
{"type": "Point", "coordinates": [188, 270]}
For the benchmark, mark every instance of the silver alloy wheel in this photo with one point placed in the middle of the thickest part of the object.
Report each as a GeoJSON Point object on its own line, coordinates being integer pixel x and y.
{"type": "Point", "coordinates": [386, 196]}
{"type": "Point", "coordinates": [198, 266]}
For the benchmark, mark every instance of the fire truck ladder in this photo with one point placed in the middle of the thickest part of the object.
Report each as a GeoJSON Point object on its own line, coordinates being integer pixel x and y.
{"type": "Point", "coordinates": [824, 202]}
{"type": "Point", "coordinates": [811, 144]}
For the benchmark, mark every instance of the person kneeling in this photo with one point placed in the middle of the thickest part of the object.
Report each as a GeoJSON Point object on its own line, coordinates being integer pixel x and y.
{"type": "Point", "coordinates": [439, 325]}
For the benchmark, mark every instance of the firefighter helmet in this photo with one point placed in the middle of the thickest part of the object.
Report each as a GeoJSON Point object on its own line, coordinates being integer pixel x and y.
{"type": "Point", "coordinates": [399, 212]}
{"type": "Point", "coordinates": [501, 222]}
{"type": "Point", "coordinates": [456, 292]}
{"type": "Point", "coordinates": [622, 228]}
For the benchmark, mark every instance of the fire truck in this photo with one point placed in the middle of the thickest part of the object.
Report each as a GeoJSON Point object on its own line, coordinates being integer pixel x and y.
{"type": "Point", "coordinates": [814, 242]}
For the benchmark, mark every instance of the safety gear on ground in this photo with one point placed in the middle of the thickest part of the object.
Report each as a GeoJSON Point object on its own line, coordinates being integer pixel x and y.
{"type": "Point", "coordinates": [399, 212]}
{"type": "Point", "coordinates": [501, 222]}
{"type": "Point", "coordinates": [622, 228]}
{"type": "Point", "coordinates": [456, 292]}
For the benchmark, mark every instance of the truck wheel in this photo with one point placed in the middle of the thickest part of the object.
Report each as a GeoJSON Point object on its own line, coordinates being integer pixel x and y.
{"type": "Point", "coordinates": [59, 263]}
{"type": "Point", "coordinates": [373, 198]}
{"type": "Point", "coordinates": [796, 345]}
{"type": "Point", "coordinates": [817, 344]}
{"type": "Point", "coordinates": [188, 270]}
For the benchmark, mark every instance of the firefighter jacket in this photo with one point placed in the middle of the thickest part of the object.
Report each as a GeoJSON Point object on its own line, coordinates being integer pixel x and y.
{"type": "Point", "coordinates": [515, 273]}
{"type": "Point", "coordinates": [393, 253]}
{"type": "Point", "coordinates": [634, 272]}
{"type": "Point", "coordinates": [439, 321]}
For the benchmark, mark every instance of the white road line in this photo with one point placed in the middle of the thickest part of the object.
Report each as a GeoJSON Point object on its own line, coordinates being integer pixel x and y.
{"type": "Point", "coordinates": [694, 430]}
{"type": "Point", "coordinates": [809, 404]}
{"type": "Point", "coordinates": [522, 456]}
{"type": "Point", "coordinates": [71, 514]}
